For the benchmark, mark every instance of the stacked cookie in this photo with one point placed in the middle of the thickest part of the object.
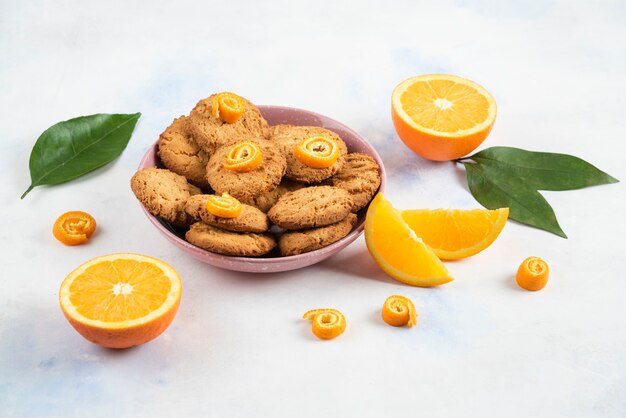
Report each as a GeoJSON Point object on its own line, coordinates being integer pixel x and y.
{"type": "Point", "coordinates": [295, 187]}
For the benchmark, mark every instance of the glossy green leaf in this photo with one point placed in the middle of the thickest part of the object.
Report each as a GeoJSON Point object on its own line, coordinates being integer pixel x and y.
{"type": "Point", "coordinates": [542, 170]}
{"type": "Point", "coordinates": [77, 146]}
{"type": "Point", "coordinates": [526, 205]}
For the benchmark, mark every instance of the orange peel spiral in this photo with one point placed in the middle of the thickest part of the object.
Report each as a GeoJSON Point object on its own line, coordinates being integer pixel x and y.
{"type": "Point", "coordinates": [532, 274]}
{"type": "Point", "coordinates": [224, 206]}
{"type": "Point", "coordinates": [327, 322]}
{"type": "Point", "coordinates": [317, 152]}
{"type": "Point", "coordinates": [228, 107]}
{"type": "Point", "coordinates": [243, 156]}
{"type": "Point", "coordinates": [399, 311]}
{"type": "Point", "coordinates": [74, 227]}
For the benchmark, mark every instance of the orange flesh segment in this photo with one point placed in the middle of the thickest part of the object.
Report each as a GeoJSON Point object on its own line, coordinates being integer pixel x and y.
{"type": "Point", "coordinates": [398, 250]}
{"type": "Point", "coordinates": [119, 290]}
{"type": "Point", "coordinates": [317, 152]}
{"type": "Point", "coordinates": [444, 106]}
{"type": "Point", "coordinates": [243, 157]}
{"type": "Point", "coordinates": [228, 107]}
{"type": "Point", "coordinates": [224, 206]}
{"type": "Point", "coordinates": [456, 233]}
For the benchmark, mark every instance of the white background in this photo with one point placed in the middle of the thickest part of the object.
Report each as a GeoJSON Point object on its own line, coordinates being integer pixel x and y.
{"type": "Point", "coordinates": [238, 347]}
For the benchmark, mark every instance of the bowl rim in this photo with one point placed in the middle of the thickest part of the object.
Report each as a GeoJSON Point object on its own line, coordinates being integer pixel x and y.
{"type": "Point", "coordinates": [352, 236]}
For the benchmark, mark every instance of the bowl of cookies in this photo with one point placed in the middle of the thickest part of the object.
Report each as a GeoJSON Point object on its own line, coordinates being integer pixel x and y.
{"type": "Point", "coordinates": [258, 189]}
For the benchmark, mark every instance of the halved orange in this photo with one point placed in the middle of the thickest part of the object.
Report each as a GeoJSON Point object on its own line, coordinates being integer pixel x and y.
{"type": "Point", "coordinates": [456, 233]}
{"type": "Point", "coordinates": [442, 117]}
{"type": "Point", "coordinates": [121, 300]}
{"type": "Point", "coordinates": [398, 250]}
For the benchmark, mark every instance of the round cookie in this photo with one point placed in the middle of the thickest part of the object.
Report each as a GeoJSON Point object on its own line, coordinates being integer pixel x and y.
{"type": "Point", "coordinates": [210, 132]}
{"type": "Point", "coordinates": [298, 242]}
{"type": "Point", "coordinates": [311, 207]}
{"type": "Point", "coordinates": [266, 200]}
{"type": "Point", "coordinates": [229, 243]}
{"type": "Point", "coordinates": [246, 185]}
{"type": "Point", "coordinates": [360, 176]}
{"type": "Point", "coordinates": [181, 154]}
{"type": "Point", "coordinates": [251, 219]}
{"type": "Point", "coordinates": [163, 194]}
{"type": "Point", "coordinates": [289, 136]}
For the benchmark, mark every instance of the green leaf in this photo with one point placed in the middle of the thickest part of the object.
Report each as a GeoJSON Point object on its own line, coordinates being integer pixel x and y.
{"type": "Point", "coordinates": [77, 146]}
{"type": "Point", "coordinates": [526, 205]}
{"type": "Point", "coordinates": [542, 170]}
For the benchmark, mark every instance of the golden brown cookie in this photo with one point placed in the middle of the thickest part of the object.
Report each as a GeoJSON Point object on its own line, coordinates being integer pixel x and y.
{"type": "Point", "coordinates": [266, 200]}
{"type": "Point", "coordinates": [289, 136]}
{"type": "Point", "coordinates": [298, 242]}
{"type": "Point", "coordinates": [229, 243]}
{"type": "Point", "coordinates": [246, 185]}
{"type": "Point", "coordinates": [211, 132]}
{"type": "Point", "coordinates": [251, 219]}
{"type": "Point", "coordinates": [311, 207]}
{"type": "Point", "coordinates": [163, 194]}
{"type": "Point", "coordinates": [360, 176]}
{"type": "Point", "coordinates": [181, 154]}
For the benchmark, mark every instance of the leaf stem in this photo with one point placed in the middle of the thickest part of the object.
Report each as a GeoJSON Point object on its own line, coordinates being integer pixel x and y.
{"type": "Point", "coordinates": [31, 187]}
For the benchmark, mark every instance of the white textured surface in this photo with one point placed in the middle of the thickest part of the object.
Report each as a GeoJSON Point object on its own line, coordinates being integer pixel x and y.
{"type": "Point", "coordinates": [238, 347]}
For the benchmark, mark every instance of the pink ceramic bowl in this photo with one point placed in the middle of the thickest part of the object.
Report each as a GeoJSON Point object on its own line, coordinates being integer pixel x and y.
{"type": "Point", "coordinates": [274, 263]}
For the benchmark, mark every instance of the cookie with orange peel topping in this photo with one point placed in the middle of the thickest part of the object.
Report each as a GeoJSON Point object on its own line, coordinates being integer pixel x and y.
{"type": "Point", "coordinates": [249, 219]}
{"type": "Point", "coordinates": [246, 168]}
{"type": "Point", "coordinates": [313, 153]}
{"type": "Point", "coordinates": [214, 121]}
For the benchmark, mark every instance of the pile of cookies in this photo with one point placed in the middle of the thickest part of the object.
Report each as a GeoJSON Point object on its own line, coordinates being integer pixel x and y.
{"type": "Point", "coordinates": [240, 187]}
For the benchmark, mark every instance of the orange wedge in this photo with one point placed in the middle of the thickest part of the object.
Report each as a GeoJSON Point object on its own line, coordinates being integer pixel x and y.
{"type": "Point", "coordinates": [398, 250]}
{"type": "Point", "coordinates": [456, 233]}
{"type": "Point", "coordinates": [121, 300]}
{"type": "Point", "coordinates": [442, 117]}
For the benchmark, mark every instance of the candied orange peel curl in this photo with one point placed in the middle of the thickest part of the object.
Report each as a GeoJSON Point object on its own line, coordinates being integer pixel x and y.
{"type": "Point", "coordinates": [74, 227]}
{"type": "Point", "coordinates": [317, 152]}
{"type": "Point", "coordinates": [243, 156]}
{"type": "Point", "coordinates": [327, 323]}
{"type": "Point", "coordinates": [224, 206]}
{"type": "Point", "coordinates": [228, 107]}
{"type": "Point", "coordinates": [399, 311]}
{"type": "Point", "coordinates": [532, 274]}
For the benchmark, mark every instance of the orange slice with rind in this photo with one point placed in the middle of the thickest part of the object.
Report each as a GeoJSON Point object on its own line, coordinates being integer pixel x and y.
{"type": "Point", "coordinates": [442, 117]}
{"type": "Point", "coordinates": [121, 300]}
{"type": "Point", "coordinates": [455, 233]}
{"type": "Point", "coordinates": [398, 250]}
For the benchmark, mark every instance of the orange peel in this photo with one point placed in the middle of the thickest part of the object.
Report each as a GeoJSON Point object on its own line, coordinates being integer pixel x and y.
{"type": "Point", "coordinates": [224, 206]}
{"type": "Point", "coordinates": [399, 311]}
{"type": "Point", "coordinates": [74, 227]}
{"type": "Point", "coordinates": [317, 152]}
{"type": "Point", "coordinates": [532, 274]}
{"type": "Point", "coordinates": [243, 157]}
{"type": "Point", "coordinates": [327, 323]}
{"type": "Point", "coordinates": [228, 107]}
